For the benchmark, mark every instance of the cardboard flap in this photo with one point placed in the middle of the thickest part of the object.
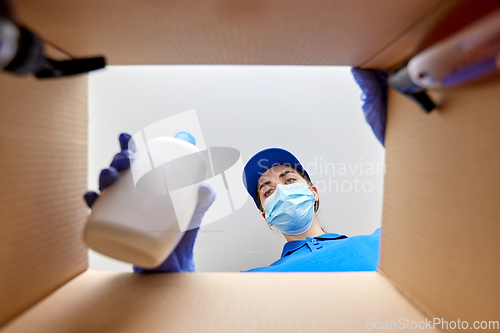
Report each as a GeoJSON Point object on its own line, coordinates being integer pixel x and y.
{"type": "Point", "coordinates": [441, 217]}
{"type": "Point", "coordinates": [312, 32]}
{"type": "Point", "coordinates": [43, 162]}
{"type": "Point", "coordinates": [219, 302]}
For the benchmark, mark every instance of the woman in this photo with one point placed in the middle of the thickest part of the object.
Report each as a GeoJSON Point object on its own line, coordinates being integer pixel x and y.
{"type": "Point", "coordinates": [282, 190]}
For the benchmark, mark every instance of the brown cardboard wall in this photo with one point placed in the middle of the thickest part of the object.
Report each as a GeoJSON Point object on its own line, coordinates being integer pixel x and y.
{"type": "Point", "coordinates": [441, 217]}
{"type": "Point", "coordinates": [404, 45]}
{"type": "Point", "coordinates": [220, 302]}
{"type": "Point", "coordinates": [43, 162]}
{"type": "Point", "coordinates": [304, 32]}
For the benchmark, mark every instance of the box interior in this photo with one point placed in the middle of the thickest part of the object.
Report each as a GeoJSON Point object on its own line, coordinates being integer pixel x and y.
{"type": "Point", "coordinates": [439, 257]}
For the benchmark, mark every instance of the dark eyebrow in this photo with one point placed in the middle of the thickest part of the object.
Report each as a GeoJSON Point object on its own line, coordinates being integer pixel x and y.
{"type": "Point", "coordinates": [281, 176]}
{"type": "Point", "coordinates": [284, 173]}
{"type": "Point", "coordinates": [264, 184]}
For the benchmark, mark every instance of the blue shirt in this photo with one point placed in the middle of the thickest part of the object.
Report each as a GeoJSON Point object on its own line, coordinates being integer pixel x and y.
{"type": "Point", "coordinates": [328, 253]}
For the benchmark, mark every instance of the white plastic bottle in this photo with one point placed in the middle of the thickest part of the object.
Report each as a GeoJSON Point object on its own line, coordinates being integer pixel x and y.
{"type": "Point", "coordinates": [141, 218]}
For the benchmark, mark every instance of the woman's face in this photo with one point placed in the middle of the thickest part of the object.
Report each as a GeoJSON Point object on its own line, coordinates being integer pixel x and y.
{"type": "Point", "coordinates": [279, 174]}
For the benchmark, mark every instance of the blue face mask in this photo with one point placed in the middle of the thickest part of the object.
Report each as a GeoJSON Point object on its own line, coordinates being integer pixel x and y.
{"type": "Point", "coordinates": [291, 208]}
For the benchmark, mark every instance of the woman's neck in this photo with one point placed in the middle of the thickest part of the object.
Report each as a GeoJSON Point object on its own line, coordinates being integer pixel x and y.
{"type": "Point", "coordinates": [314, 230]}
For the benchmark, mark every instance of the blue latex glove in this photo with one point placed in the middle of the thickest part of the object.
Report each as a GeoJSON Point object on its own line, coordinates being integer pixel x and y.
{"type": "Point", "coordinates": [373, 83]}
{"type": "Point", "coordinates": [181, 259]}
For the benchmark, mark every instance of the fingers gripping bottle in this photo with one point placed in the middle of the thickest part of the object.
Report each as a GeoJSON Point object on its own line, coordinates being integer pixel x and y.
{"type": "Point", "coordinates": [141, 218]}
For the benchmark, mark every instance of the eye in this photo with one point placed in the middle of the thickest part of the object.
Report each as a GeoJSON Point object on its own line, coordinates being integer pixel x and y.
{"type": "Point", "coordinates": [268, 192]}
{"type": "Point", "coordinates": [290, 180]}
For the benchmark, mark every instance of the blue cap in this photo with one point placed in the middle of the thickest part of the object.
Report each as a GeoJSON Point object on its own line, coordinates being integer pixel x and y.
{"type": "Point", "coordinates": [186, 137]}
{"type": "Point", "coordinates": [264, 160]}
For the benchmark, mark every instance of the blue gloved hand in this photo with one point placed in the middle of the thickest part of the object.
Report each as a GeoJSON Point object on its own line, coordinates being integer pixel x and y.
{"type": "Point", "coordinates": [373, 83]}
{"type": "Point", "coordinates": [181, 259]}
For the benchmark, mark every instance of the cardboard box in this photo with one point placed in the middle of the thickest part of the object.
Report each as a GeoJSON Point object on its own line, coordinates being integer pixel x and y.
{"type": "Point", "coordinates": [439, 254]}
